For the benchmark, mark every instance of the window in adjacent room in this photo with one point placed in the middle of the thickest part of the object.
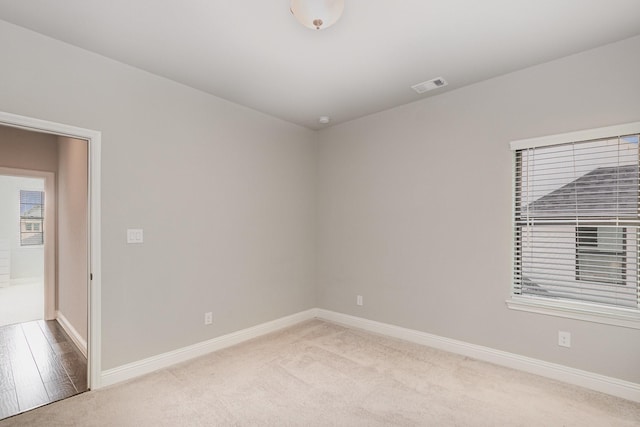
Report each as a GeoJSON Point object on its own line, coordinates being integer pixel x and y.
{"type": "Point", "coordinates": [31, 218]}
{"type": "Point", "coordinates": [576, 224]}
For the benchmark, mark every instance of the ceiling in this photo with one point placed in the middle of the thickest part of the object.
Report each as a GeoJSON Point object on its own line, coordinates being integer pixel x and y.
{"type": "Point", "coordinates": [254, 53]}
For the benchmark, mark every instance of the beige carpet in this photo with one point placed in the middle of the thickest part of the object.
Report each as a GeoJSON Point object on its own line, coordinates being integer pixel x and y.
{"type": "Point", "coordinates": [320, 374]}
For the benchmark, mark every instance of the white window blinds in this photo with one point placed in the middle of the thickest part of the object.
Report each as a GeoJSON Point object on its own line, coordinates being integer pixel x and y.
{"type": "Point", "coordinates": [577, 221]}
{"type": "Point", "coordinates": [31, 218]}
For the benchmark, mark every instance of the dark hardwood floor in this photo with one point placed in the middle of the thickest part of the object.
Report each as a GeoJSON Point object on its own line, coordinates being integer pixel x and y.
{"type": "Point", "coordinates": [39, 364]}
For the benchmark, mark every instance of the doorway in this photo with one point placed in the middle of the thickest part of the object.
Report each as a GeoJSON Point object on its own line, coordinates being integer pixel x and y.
{"type": "Point", "coordinates": [22, 295]}
{"type": "Point", "coordinates": [43, 355]}
{"type": "Point", "coordinates": [47, 333]}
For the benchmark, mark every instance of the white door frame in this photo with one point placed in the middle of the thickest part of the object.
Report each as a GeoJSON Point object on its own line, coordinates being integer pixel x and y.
{"type": "Point", "coordinates": [49, 234]}
{"type": "Point", "coordinates": [93, 138]}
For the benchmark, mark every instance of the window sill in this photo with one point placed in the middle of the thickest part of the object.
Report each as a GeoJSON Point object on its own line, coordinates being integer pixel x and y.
{"type": "Point", "coordinates": [627, 318]}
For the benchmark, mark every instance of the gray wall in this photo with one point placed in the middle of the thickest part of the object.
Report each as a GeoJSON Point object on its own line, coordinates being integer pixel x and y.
{"type": "Point", "coordinates": [415, 208]}
{"type": "Point", "coordinates": [72, 250]}
{"type": "Point", "coordinates": [225, 196]}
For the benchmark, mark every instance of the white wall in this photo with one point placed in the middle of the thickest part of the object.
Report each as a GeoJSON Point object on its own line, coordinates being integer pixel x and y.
{"type": "Point", "coordinates": [415, 208]}
{"type": "Point", "coordinates": [27, 262]}
{"type": "Point", "coordinates": [170, 154]}
{"type": "Point", "coordinates": [72, 268]}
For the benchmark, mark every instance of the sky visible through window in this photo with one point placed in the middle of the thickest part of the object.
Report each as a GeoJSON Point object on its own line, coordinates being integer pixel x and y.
{"type": "Point", "coordinates": [31, 203]}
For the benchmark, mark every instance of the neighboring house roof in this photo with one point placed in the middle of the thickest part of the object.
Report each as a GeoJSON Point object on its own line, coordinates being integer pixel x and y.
{"type": "Point", "coordinates": [603, 191]}
{"type": "Point", "coordinates": [34, 212]}
{"type": "Point", "coordinates": [530, 287]}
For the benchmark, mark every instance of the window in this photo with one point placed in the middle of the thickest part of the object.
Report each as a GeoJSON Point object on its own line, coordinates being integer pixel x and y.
{"type": "Point", "coordinates": [31, 218]}
{"type": "Point", "coordinates": [577, 222]}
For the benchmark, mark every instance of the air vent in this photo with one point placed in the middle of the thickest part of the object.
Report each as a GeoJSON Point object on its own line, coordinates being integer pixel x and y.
{"type": "Point", "coordinates": [429, 85]}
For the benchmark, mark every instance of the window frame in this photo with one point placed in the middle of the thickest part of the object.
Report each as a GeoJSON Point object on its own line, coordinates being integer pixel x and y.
{"type": "Point", "coordinates": [579, 310]}
{"type": "Point", "coordinates": [23, 219]}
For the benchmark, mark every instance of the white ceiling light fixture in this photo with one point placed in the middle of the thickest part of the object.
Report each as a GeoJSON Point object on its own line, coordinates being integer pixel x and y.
{"type": "Point", "coordinates": [317, 14]}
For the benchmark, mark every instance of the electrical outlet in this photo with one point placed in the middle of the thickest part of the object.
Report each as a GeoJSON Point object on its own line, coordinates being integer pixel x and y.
{"type": "Point", "coordinates": [564, 339]}
{"type": "Point", "coordinates": [208, 318]}
{"type": "Point", "coordinates": [359, 300]}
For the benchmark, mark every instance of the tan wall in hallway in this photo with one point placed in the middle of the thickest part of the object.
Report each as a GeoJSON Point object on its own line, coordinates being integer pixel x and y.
{"type": "Point", "coordinates": [22, 149]}
{"type": "Point", "coordinates": [72, 232]}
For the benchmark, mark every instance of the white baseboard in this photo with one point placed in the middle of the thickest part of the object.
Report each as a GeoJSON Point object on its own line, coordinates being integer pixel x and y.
{"type": "Point", "coordinates": [597, 382]}
{"type": "Point", "coordinates": [80, 342]}
{"type": "Point", "coordinates": [145, 366]}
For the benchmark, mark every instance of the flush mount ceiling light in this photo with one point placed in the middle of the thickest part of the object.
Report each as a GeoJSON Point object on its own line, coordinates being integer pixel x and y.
{"type": "Point", "coordinates": [317, 14]}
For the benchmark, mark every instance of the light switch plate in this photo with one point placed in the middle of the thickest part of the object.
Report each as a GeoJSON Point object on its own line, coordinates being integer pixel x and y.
{"type": "Point", "coordinates": [135, 235]}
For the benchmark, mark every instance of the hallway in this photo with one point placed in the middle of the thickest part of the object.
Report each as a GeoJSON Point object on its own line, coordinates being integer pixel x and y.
{"type": "Point", "coordinates": [39, 364]}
